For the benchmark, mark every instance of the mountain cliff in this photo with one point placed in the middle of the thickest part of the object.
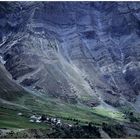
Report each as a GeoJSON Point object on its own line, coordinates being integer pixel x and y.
{"type": "Point", "coordinates": [79, 52]}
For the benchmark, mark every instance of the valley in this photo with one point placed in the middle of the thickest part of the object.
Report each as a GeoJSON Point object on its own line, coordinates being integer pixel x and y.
{"type": "Point", "coordinates": [78, 62]}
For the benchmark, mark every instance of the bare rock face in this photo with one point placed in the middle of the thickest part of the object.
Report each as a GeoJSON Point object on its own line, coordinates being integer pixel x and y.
{"type": "Point", "coordinates": [77, 51]}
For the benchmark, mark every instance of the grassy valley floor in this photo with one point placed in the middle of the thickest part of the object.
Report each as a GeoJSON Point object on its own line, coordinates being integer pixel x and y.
{"type": "Point", "coordinates": [102, 121]}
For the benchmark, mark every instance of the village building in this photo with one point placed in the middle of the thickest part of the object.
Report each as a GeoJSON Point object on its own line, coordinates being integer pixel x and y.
{"type": "Point", "coordinates": [19, 114]}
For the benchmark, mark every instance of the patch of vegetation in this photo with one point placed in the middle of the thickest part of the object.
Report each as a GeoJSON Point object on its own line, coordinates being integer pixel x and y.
{"type": "Point", "coordinates": [10, 119]}
{"type": "Point", "coordinates": [112, 114]}
{"type": "Point", "coordinates": [130, 114]}
{"type": "Point", "coordinates": [77, 131]}
{"type": "Point", "coordinates": [114, 131]}
{"type": "Point", "coordinates": [55, 107]}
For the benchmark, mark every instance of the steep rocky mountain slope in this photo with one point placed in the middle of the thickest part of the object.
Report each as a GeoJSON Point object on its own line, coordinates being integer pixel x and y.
{"type": "Point", "coordinates": [79, 52]}
{"type": "Point", "coordinates": [9, 90]}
